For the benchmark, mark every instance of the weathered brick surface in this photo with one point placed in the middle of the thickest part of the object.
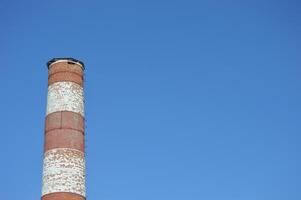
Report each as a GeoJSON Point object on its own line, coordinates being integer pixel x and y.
{"type": "Point", "coordinates": [53, 121]}
{"type": "Point", "coordinates": [65, 66]}
{"type": "Point", "coordinates": [64, 71]}
{"type": "Point", "coordinates": [64, 171]}
{"type": "Point", "coordinates": [64, 120]}
{"type": "Point", "coordinates": [64, 138]}
{"type": "Point", "coordinates": [65, 96]}
{"type": "Point", "coordinates": [65, 76]}
{"type": "Point", "coordinates": [72, 120]}
{"type": "Point", "coordinates": [63, 196]}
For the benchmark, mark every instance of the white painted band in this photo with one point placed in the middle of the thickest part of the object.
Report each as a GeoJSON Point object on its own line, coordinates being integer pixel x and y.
{"type": "Point", "coordinates": [64, 171]}
{"type": "Point", "coordinates": [65, 96]}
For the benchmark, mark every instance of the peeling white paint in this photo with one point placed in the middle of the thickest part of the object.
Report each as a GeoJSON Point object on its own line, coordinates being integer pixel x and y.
{"type": "Point", "coordinates": [64, 171]}
{"type": "Point", "coordinates": [65, 96]}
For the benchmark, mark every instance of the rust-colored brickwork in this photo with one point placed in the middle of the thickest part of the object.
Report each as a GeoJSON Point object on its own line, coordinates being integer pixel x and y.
{"type": "Point", "coordinates": [64, 120]}
{"type": "Point", "coordinates": [65, 76]}
{"type": "Point", "coordinates": [65, 66]}
{"type": "Point", "coordinates": [63, 196]}
{"type": "Point", "coordinates": [62, 71]}
{"type": "Point", "coordinates": [64, 138]}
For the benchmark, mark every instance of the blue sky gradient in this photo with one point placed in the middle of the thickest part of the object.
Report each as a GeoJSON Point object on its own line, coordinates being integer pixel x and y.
{"type": "Point", "coordinates": [184, 99]}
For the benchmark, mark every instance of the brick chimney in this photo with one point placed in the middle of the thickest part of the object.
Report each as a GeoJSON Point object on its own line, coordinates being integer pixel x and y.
{"type": "Point", "coordinates": [64, 147]}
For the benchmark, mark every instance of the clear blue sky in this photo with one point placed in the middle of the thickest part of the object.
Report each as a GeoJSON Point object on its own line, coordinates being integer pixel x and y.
{"type": "Point", "coordinates": [185, 100]}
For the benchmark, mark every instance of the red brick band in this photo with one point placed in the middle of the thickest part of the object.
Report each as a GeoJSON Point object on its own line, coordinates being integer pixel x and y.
{"type": "Point", "coordinates": [63, 196]}
{"type": "Point", "coordinates": [65, 120]}
{"type": "Point", "coordinates": [64, 129]}
{"type": "Point", "coordinates": [65, 76]}
{"type": "Point", "coordinates": [64, 71]}
{"type": "Point", "coordinates": [65, 66]}
{"type": "Point", "coordinates": [64, 138]}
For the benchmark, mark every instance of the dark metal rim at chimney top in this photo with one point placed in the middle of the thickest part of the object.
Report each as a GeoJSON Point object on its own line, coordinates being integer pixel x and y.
{"type": "Point", "coordinates": [69, 60]}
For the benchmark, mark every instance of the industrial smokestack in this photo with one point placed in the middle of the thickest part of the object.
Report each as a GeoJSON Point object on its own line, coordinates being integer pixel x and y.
{"type": "Point", "coordinates": [64, 149]}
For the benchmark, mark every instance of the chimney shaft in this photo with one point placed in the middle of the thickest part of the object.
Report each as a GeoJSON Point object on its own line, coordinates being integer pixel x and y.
{"type": "Point", "coordinates": [64, 149]}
